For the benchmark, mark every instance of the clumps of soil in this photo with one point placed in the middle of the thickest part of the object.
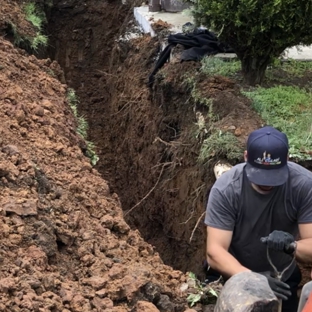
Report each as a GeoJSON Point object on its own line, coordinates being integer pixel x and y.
{"type": "Point", "coordinates": [64, 243]}
{"type": "Point", "coordinates": [11, 17]}
{"type": "Point", "coordinates": [230, 110]}
{"type": "Point", "coordinates": [161, 26]}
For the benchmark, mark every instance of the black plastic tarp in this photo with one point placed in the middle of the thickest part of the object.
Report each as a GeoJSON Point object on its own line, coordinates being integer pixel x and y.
{"type": "Point", "coordinates": [197, 44]}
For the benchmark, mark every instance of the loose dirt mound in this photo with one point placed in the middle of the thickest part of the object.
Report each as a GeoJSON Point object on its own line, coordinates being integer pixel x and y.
{"type": "Point", "coordinates": [12, 16]}
{"type": "Point", "coordinates": [64, 243]}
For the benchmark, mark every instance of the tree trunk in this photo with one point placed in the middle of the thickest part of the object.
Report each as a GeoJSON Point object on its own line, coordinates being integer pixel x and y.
{"type": "Point", "coordinates": [254, 68]}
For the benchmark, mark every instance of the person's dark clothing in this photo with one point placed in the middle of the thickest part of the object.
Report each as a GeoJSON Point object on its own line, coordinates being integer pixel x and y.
{"type": "Point", "coordinates": [197, 44]}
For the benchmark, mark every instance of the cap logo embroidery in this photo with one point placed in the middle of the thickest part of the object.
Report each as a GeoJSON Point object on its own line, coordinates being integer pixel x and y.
{"type": "Point", "coordinates": [267, 160]}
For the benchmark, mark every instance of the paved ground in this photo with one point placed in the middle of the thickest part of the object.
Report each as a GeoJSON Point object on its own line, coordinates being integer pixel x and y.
{"type": "Point", "coordinates": [177, 20]}
{"type": "Point", "coordinates": [146, 18]}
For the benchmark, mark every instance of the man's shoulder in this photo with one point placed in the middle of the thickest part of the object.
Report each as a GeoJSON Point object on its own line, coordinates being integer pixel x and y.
{"type": "Point", "coordinates": [232, 177]}
{"type": "Point", "coordinates": [298, 172]}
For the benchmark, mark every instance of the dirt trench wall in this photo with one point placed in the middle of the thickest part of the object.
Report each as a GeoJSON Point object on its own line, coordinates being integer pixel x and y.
{"type": "Point", "coordinates": [130, 126]}
{"type": "Point", "coordinates": [165, 191]}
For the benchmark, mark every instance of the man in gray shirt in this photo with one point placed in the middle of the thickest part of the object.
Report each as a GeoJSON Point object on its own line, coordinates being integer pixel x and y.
{"type": "Point", "coordinates": [267, 196]}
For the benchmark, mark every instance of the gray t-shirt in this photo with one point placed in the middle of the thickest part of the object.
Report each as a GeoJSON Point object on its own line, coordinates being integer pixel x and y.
{"type": "Point", "coordinates": [234, 205]}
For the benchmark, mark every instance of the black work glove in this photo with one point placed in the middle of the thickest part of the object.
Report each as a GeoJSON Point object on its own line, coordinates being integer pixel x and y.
{"type": "Point", "coordinates": [280, 241]}
{"type": "Point", "coordinates": [280, 289]}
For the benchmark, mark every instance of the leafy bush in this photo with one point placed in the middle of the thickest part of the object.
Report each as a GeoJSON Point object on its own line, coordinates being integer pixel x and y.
{"type": "Point", "coordinates": [257, 30]}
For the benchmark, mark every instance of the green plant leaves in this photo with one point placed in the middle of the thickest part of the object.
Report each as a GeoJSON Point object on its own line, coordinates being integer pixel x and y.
{"type": "Point", "coordinates": [82, 126]}
{"type": "Point", "coordinates": [257, 28]}
{"type": "Point", "coordinates": [192, 299]}
{"type": "Point", "coordinates": [200, 292]}
{"type": "Point", "coordinates": [213, 292]}
{"type": "Point", "coordinates": [192, 275]}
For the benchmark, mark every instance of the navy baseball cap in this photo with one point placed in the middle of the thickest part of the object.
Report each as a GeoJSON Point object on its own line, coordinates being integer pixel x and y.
{"type": "Point", "coordinates": [267, 153]}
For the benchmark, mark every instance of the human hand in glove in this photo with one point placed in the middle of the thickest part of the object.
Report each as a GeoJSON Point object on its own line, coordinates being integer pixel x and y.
{"type": "Point", "coordinates": [280, 241]}
{"type": "Point", "coordinates": [280, 289]}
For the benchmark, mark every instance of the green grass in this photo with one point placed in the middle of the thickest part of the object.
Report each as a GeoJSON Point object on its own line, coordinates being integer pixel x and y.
{"type": "Point", "coordinates": [39, 40]}
{"type": "Point", "coordinates": [94, 158]}
{"type": "Point", "coordinates": [220, 144]}
{"type": "Point", "coordinates": [12, 29]}
{"type": "Point", "coordinates": [82, 126]}
{"type": "Point", "coordinates": [292, 67]}
{"type": "Point", "coordinates": [37, 18]}
{"type": "Point", "coordinates": [197, 96]}
{"type": "Point", "coordinates": [212, 66]}
{"type": "Point", "coordinates": [73, 101]}
{"type": "Point", "coordinates": [288, 109]}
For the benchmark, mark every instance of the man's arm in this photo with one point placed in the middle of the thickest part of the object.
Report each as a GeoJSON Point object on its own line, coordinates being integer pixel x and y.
{"type": "Point", "coordinates": [218, 257]}
{"type": "Point", "coordinates": [304, 245]}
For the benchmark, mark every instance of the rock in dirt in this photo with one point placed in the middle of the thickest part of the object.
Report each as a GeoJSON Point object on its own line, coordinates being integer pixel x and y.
{"type": "Point", "coordinates": [221, 167]}
{"type": "Point", "coordinates": [246, 292]}
{"type": "Point", "coordinates": [144, 306]}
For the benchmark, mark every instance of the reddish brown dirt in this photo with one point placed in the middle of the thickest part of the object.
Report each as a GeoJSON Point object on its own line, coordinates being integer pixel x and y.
{"type": "Point", "coordinates": [160, 26]}
{"type": "Point", "coordinates": [66, 245]}
{"type": "Point", "coordinates": [11, 13]}
{"type": "Point", "coordinates": [64, 242]}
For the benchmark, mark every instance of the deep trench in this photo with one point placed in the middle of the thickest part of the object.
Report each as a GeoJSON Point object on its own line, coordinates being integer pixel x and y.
{"type": "Point", "coordinates": [83, 41]}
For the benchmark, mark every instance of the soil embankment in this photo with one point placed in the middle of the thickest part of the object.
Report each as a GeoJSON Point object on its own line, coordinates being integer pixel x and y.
{"type": "Point", "coordinates": [64, 243]}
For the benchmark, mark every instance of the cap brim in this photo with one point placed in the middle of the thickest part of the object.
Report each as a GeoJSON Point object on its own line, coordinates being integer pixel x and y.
{"type": "Point", "coordinates": [267, 177]}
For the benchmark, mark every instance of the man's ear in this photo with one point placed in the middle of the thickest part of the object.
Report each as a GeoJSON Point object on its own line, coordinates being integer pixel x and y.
{"type": "Point", "coordinates": [245, 155]}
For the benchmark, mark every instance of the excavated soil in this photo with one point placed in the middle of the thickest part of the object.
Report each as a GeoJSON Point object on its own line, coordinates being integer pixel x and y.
{"type": "Point", "coordinates": [122, 235]}
{"type": "Point", "coordinates": [64, 243]}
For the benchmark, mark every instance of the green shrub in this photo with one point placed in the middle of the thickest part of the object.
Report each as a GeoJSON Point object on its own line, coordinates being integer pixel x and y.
{"type": "Point", "coordinates": [257, 30]}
